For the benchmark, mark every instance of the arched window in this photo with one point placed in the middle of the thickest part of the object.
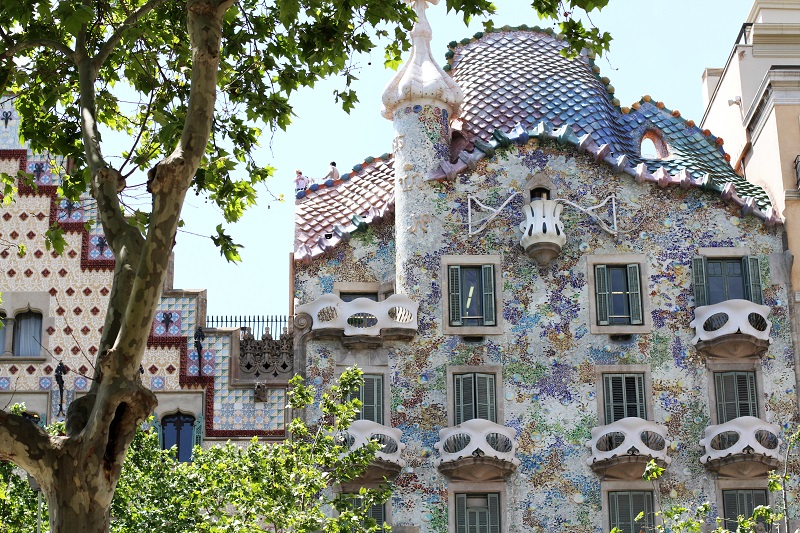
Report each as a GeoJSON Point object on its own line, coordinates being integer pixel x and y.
{"type": "Point", "coordinates": [652, 146]}
{"type": "Point", "coordinates": [178, 429]}
{"type": "Point", "coordinates": [27, 334]}
{"type": "Point", "coordinates": [540, 193]}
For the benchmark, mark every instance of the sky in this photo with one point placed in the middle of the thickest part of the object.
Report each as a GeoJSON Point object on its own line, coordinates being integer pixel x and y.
{"type": "Point", "coordinates": [659, 47]}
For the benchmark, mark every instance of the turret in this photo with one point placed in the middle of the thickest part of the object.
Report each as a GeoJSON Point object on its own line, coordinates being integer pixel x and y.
{"type": "Point", "coordinates": [421, 100]}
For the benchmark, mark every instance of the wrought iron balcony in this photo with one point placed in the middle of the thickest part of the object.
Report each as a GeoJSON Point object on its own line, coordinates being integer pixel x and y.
{"type": "Point", "coordinates": [622, 449]}
{"type": "Point", "coordinates": [741, 448]}
{"type": "Point", "coordinates": [542, 231]}
{"type": "Point", "coordinates": [477, 450]}
{"type": "Point", "coordinates": [732, 329]}
{"type": "Point", "coordinates": [388, 460]}
{"type": "Point", "coordinates": [361, 319]}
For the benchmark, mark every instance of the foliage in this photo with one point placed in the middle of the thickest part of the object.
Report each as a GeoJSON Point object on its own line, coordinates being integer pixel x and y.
{"type": "Point", "coordinates": [228, 488]}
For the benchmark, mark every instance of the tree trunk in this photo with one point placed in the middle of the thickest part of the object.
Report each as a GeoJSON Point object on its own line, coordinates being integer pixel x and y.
{"type": "Point", "coordinates": [73, 510]}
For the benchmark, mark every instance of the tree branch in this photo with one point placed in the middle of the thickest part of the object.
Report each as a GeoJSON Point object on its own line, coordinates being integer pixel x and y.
{"type": "Point", "coordinates": [25, 444]}
{"type": "Point", "coordinates": [30, 44]}
{"type": "Point", "coordinates": [116, 37]}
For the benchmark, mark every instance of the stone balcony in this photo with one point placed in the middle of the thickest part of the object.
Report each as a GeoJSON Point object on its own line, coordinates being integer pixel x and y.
{"type": "Point", "coordinates": [388, 460]}
{"type": "Point", "coordinates": [745, 447]}
{"type": "Point", "coordinates": [477, 450]}
{"type": "Point", "coordinates": [542, 232]}
{"type": "Point", "coordinates": [621, 450]}
{"type": "Point", "coordinates": [732, 329]}
{"type": "Point", "coordinates": [361, 322]}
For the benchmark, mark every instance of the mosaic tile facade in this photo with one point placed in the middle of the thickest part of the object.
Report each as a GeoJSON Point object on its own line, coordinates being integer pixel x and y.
{"type": "Point", "coordinates": [548, 356]}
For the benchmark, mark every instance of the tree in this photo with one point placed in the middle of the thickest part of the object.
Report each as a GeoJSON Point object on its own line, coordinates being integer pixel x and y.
{"type": "Point", "coordinates": [69, 65]}
{"type": "Point", "coordinates": [263, 487]}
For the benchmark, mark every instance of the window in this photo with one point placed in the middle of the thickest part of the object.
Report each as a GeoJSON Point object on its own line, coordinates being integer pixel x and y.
{"type": "Point", "coordinates": [478, 513]}
{"type": "Point", "coordinates": [471, 295]}
{"type": "Point", "coordinates": [371, 396]}
{"type": "Point", "coordinates": [617, 287]}
{"type": "Point", "coordinates": [3, 329]}
{"type": "Point", "coordinates": [360, 320]}
{"type": "Point", "coordinates": [376, 511]}
{"type": "Point", "coordinates": [623, 395]}
{"type": "Point", "coordinates": [474, 396]}
{"type": "Point", "coordinates": [618, 295]}
{"type": "Point", "coordinates": [625, 506]}
{"type": "Point", "coordinates": [470, 298]}
{"type": "Point", "coordinates": [735, 395]}
{"type": "Point", "coordinates": [181, 430]}
{"type": "Point", "coordinates": [718, 279]}
{"type": "Point", "coordinates": [27, 334]}
{"type": "Point", "coordinates": [740, 502]}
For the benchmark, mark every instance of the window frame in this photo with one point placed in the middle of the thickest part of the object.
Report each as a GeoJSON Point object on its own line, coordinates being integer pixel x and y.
{"type": "Point", "coordinates": [618, 260]}
{"type": "Point", "coordinates": [15, 303]}
{"type": "Point", "coordinates": [601, 370]}
{"type": "Point", "coordinates": [725, 484]}
{"type": "Point", "coordinates": [351, 491]}
{"type": "Point", "coordinates": [382, 371]}
{"type": "Point", "coordinates": [468, 488]}
{"type": "Point", "coordinates": [472, 261]}
{"type": "Point", "coordinates": [648, 524]}
{"type": "Point", "coordinates": [197, 432]}
{"type": "Point", "coordinates": [634, 485]}
{"type": "Point", "coordinates": [740, 253]}
{"type": "Point", "coordinates": [383, 290]}
{"type": "Point", "coordinates": [499, 397]}
{"type": "Point", "coordinates": [715, 367]}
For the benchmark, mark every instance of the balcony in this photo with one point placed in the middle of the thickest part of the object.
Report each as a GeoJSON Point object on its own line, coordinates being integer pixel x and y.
{"type": "Point", "coordinates": [745, 447]}
{"type": "Point", "coordinates": [542, 231]}
{"type": "Point", "coordinates": [388, 460]}
{"type": "Point", "coordinates": [361, 322]}
{"type": "Point", "coordinates": [732, 329]}
{"type": "Point", "coordinates": [621, 450]}
{"type": "Point", "coordinates": [477, 450]}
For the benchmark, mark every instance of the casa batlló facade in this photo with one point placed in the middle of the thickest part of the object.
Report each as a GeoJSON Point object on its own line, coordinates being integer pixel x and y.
{"type": "Point", "coordinates": [540, 309]}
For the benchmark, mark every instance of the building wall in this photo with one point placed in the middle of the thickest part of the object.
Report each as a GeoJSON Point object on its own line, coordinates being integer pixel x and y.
{"type": "Point", "coordinates": [549, 357]}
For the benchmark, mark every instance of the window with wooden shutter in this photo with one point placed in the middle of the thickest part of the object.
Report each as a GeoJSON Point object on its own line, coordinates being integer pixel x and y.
{"type": "Point", "coordinates": [454, 289]}
{"type": "Point", "coordinates": [740, 502]}
{"type": "Point", "coordinates": [623, 395]}
{"type": "Point", "coordinates": [718, 279]}
{"type": "Point", "coordinates": [474, 396]}
{"type": "Point", "coordinates": [471, 295]}
{"type": "Point", "coordinates": [378, 513]}
{"type": "Point", "coordinates": [618, 295]}
{"type": "Point", "coordinates": [488, 295]}
{"type": "Point", "coordinates": [625, 506]}
{"type": "Point", "coordinates": [736, 395]}
{"type": "Point", "coordinates": [478, 513]}
{"type": "Point", "coordinates": [371, 396]}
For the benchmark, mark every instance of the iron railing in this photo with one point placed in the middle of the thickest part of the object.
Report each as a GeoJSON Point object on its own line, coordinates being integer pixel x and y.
{"type": "Point", "coordinates": [797, 170]}
{"type": "Point", "coordinates": [275, 324]}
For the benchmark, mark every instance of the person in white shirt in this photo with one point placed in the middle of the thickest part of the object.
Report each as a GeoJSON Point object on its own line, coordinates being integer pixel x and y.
{"type": "Point", "coordinates": [300, 181]}
{"type": "Point", "coordinates": [333, 174]}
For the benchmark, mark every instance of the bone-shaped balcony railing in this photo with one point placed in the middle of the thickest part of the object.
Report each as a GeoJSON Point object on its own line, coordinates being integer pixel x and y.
{"type": "Point", "coordinates": [629, 437]}
{"type": "Point", "coordinates": [731, 316]}
{"type": "Point", "coordinates": [361, 432]}
{"type": "Point", "coordinates": [361, 316]}
{"type": "Point", "coordinates": [477, 438]}
{"type": "Point", "coordinates": [743, 435]}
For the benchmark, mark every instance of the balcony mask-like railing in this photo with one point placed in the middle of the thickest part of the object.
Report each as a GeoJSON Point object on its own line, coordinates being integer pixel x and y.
{"type": "Point", "coordinates": [542, 231]}
{"type": "Point", "coordinates": [361, 432]}
{"type": "Point", "coordinates": [733, 328]}
{"type": "Point", "coordinates": [362, 316]}
{"type": "Point", "coordinates": [484, 449]}
{"type": "Point", "coordinates": [741, 439]}
{"type": "Point", "coordinates": [626, 439]}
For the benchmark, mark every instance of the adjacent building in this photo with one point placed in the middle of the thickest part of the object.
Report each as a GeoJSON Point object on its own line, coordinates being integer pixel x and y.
{"type": "Point", "coordinates": [540, 308]}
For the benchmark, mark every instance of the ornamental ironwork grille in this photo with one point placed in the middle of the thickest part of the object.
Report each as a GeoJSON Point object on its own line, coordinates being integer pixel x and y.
{"type": "Point", "coordinates": [265, 360]}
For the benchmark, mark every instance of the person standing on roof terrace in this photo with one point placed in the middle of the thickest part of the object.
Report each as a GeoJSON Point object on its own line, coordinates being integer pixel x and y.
{"type": "Point", "coordinates": [333, 174]}
{"type": "Point", "coordinates": [300, 181]}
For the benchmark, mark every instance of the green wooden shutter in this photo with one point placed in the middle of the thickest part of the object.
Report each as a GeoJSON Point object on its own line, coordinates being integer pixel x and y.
{"type": "Point", "coordinates": [730, 508]}
{"type": "Point", "coordinates": [454, 288]}
{"type": "Point", "coordinates": [461, 513]}
{"type": "Point", "coordinates": [634, 395]}
{"type": "Point", "coordinates": [494, 512]}
{"type": "Point", "coordinates": [746, 394]}
{"type": "Point", "coordinates": [635, 294]}
{"type": "Point", "coordinates": [601, 294]}
{"type": "Point", "coordinates": [464, 397]}
{"type": "Point", "coordinates": [372, 398]}
{"type": "Point", "coordinates": [378, 513]}
{"type": "Point", "coordinates": [642, 503]}
{"type": "Point", "coordinates": [725, 384]}
{"type": "Point", "coordinates": [699, 277]}
{"type": "Point", "coordinates": [489, 318]}
{"type": "Point", "coordinates": [614, 395]}
{"type": "Point", "coordinates": [751, 266]}
{"type": "Point", "coordinates": [485, 397]}
{"type": "Point", "coordinates": [197, 431]}
{"type": "Point", "coordinates": [613, 509]}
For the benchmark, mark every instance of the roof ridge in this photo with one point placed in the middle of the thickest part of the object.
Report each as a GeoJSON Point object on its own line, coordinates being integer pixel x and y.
{"type": "Point", "coordinates": [715, 141]}
{"type": "Point", "coordinates": [329, 184]}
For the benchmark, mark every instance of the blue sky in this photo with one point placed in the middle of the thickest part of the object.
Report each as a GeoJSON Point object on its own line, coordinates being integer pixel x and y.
{"type": "Point", "coordinates": [660, 48]}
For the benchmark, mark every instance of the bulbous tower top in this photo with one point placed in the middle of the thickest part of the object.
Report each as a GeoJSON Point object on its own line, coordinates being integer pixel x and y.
{"type": "Point", "coordinates": [421, 80]}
